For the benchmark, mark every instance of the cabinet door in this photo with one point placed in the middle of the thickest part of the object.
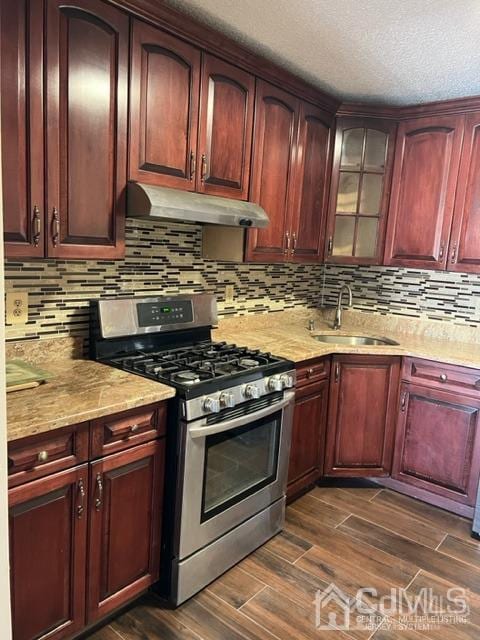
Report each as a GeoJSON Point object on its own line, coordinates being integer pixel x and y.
{"type": "Point", "coordinates": [225, 131]}
{"type": "Point", "coordinates": [87, 73]}
{"type": "Point", "coordinates": [308, 437]}
{"type": "Point", "coordinates": [48, 539]}
{"type": "Point", "coordinates": [361, 415]}
{"type": "Point", "coordinates": [312, 177]}
{"type": "Point", "coordinates": [164, 93]}
{"type": "Point", "coordinates": [276, 117]}
{"type": "Point", "coordinates": [360, 192]}
{"type": "Point", "coordinates": [438, 443]}
{"type": "Point", "coordinates": [423, 192]}
{"type": "Point", "coordinates": [465, 239]}
{"type": "Point", "coordinates": [21, 24]}
{"type": "Point", "coordinates": [126, 494]}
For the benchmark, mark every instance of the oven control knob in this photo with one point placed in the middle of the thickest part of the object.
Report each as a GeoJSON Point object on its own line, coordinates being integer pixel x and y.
{"type": "Point", "coordinates": [227, 400]}
{"type": "Point", "coordinates": [252, 392]}
{"type": "Point", "coordinates": [275, 384]}
{"type": "Point", "coordinates": [287, 381]}
{"type": "Point", "coordinates": [212, 405]}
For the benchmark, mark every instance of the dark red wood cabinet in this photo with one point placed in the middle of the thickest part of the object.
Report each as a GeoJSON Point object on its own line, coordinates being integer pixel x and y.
{"type": "Point", "coordinates": [290, 177]}
{"type": "Point", "coordinates": [361, 415]}
{"type": "Point", "coordinates": [126, 495]}
{"type": "Point", "coordinates": [84, 540]}
{"type": "Point", "coordinates": [425, 177]}
{"type": "Point", "coordinates": [437, 447]}
{"type": "Point", "coordinates": [22, 136]}
{"type": "Point", "coordinates": [360, 190]}
{"type": "Point", "coordinates": [48, 550]}
{"type": "Point", "coordinates": [307, 447]}
{"type": "Point", "coordinates": [464, 254]}
{"type": "Point", "coordinates": [84, 108]}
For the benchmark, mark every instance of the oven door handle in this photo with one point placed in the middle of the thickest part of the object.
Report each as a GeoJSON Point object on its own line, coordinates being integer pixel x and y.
{"type": "Point", "coordinates": [202, 432]}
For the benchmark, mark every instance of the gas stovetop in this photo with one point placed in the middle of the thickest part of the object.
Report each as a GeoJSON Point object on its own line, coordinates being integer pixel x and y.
{"type": "Point", "coordinates": [191, 365]}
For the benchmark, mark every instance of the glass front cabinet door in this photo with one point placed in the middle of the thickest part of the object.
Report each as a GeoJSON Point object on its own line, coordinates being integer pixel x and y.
{"type": "Point", "coordinates": [360, 190]}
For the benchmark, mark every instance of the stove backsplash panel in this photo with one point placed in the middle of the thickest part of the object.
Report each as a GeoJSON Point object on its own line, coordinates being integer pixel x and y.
{"type": "Point", "coordinates": [165, 259]}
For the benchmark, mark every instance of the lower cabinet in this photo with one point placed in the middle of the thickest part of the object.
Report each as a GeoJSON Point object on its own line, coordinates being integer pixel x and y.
{"type": "Point", "coordinates": [437, 447]}
{"type": "Point", "coordinates": [48, 543]}
{"type": "Point", "coordinates": [308, 437]}
{"type": "Point", "coordinates": [85, 540]}
{"type": "Point", "coordinates": [361, 415]}
{"type": "Point", "coordinates": [126, 491]}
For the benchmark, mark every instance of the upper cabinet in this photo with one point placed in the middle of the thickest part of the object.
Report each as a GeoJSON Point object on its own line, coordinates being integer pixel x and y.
{"type": "Point", "coordinates": [164, 93]}
{"type": "Point", "coordinates": [22, 139]}
{"type": "Point", "coordinates": [464, 253]}
{"type": "Point", "coordinates": [84, 108]}
{"type": "Point", "coordinates": [191, 121]}
{"type": "Point", "coordinates": [290, 176]}
{"type": "Point", "coordinates": [360, 190]}
{"type": "Point", "coordinates": [276, 119]}
{"type": "Point", "coordinates": [424, 182]}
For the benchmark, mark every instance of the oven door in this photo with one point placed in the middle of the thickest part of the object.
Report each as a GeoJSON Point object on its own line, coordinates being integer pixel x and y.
{"type": "Point", "coordinates": [232, 470]}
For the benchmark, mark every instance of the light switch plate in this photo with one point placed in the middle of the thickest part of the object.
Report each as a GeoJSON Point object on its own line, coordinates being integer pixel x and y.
{"type": "Point", "coordinates": [16, 307]}
{"type": "Point", "coordinates": [229, 293]}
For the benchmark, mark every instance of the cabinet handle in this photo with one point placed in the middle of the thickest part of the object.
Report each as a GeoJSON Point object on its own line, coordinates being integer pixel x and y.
{"type": "Point", "coordinates": [337, 372]}
{"type": "Point", "coordinates": [404, 402]}
{"type": "Point", "coordinates": [55, 226]}
{"type": "Point", "coordinates": [193, 165]}
{"type": "Point", "coordinates": [203, 172]}
{"type": "Point", "coordinates": [442, 251]}
{"type": "Point", "coordinates": [443, 377]}
{"type": "Point", "coordinates": [287, 243]}
{"type": "Point", "coordinates": [99, 499]}
{"type": "Point", "coordinates": [294, 243]}
{"type": "Point", "coordinates": [454, 254]}
{"type": "Point", "coordinates": [42, 456]}
{"type": "Point", "coordinates": [330, 246]}
{"type": "Point", "coordinates": [81, 493]}
{"type": "Point", "coordinates": [134, 428]}
{"type": "Point", "coordinates": [309, 373]}
{"type": "Point", "coordinates": [37, 226]}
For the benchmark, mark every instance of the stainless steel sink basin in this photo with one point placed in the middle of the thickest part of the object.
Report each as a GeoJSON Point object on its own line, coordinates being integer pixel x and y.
{"type": "Point", "coordinates": [353, 340]}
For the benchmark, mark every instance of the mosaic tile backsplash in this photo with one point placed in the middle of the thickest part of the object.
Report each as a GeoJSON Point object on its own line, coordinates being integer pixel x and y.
{"type": "Point", "coordinates": [165, 259]}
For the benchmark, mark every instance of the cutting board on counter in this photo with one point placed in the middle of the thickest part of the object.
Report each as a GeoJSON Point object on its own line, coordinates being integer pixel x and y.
{"type": "Point", "coordinates": [22, 375]}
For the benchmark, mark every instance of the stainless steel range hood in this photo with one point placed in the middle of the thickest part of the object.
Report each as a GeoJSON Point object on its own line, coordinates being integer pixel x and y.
{"type": "Point", "coordinates": [161, 203]}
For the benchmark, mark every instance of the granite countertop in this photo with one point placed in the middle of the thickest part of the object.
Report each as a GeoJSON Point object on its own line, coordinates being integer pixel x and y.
{"type": "Point", "coordinates": [286, 334]}
{"type": "Point", "coordinates": [80, 390]}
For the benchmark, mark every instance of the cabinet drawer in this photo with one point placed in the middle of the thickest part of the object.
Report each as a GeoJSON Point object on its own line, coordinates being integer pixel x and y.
{"type": "Point", "coordinates": [39, 455]}
{"type": "Point", "coordinates": [313, 371]}
{"type": "Point", "coordinates": [123, 430]}
{"type": "Point", "coordinates": [442, 376]}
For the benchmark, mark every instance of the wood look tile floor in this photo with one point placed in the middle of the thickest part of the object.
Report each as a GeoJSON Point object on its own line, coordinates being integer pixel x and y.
{"type": "Point", "coordinates": [353, 537]}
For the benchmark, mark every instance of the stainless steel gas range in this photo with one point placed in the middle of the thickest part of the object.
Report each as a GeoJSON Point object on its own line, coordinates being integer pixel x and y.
{"type": "Point", "coordinates": [229, 431]}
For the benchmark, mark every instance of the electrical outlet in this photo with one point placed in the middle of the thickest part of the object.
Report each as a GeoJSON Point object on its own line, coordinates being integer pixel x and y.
{"type": "Point", "coordinates": [16, 306]}
{"type": "Point", "coordinates": [229, 293]}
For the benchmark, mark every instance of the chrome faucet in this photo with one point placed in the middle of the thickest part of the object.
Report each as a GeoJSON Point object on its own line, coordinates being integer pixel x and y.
{"type": "Point", "coordinates": [337, 322]}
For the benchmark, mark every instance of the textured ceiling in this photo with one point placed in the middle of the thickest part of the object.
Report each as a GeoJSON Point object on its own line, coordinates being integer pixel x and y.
{"type": "Point", "coordinates": [389, 51]}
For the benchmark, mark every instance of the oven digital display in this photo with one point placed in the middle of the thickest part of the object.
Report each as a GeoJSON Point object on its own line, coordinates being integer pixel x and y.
{"type": "Point", "coordinates": [152, 314]}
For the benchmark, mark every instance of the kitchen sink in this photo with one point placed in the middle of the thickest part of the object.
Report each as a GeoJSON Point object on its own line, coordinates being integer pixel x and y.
{"type": "Point", "coordinates": [353, 340]}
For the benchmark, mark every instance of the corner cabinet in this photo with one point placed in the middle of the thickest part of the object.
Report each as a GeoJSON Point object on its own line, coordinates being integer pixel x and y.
{"type": "Point", "coordinates": [290, 177]}
{"type": "Point", "coordinates": [361, 415]}
{"type": "Point", "coordinates": [424, 183]}
{"type": "Point", "coordinates": [360, 190]}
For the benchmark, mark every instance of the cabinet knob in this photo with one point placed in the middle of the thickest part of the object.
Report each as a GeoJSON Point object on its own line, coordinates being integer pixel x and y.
{"type": "Point", "coordinates": [42, 456]}
{"type": "Point", "coordinates": [134, 428]}
{"type": "Point", "coordinates": [310, 373]}
{"type": "Point", "coordinates": [443, 377]}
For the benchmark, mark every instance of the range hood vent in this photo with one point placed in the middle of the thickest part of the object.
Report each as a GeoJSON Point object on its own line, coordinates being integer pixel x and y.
{"type": "Point", "coordinates": [161, 203]}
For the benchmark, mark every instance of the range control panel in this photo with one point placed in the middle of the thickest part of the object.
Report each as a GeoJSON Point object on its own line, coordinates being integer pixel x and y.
{"type": "Point", "coordinates": [152, 314]}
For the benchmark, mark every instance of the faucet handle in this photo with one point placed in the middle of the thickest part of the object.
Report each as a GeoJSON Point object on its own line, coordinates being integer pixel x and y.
{"type": "Point", "coordinates": [311, 325]}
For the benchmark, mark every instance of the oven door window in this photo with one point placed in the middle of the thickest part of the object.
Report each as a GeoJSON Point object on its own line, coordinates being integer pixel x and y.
{"type": "Point", "coordinates": [239, 462]}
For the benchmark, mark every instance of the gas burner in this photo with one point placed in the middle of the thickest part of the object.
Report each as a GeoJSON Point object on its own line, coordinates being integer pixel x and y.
{"type": "Point", "coordinates": [186, 377]}
{"type": "Point", "coordinates": [249, 363]}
